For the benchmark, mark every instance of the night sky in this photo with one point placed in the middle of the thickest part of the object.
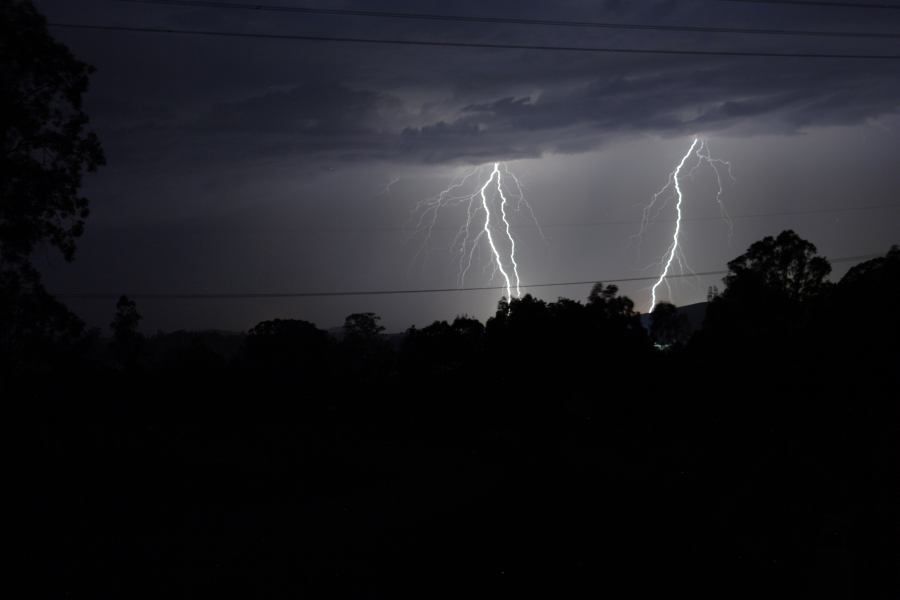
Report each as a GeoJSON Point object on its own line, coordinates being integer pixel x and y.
{"type": "Point", "coordinates": [262, 165]}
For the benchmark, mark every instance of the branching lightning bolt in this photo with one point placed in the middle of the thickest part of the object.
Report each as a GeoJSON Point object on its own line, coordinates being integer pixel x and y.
{"type": "Point", "coordinates": [491, 199]}
{"type": "Point", "coordinates": [522, 201]}
{"type": "Point", "coordinates": [716, 164]}
{"type": "Point", "coordinates": [487, 226]}
{"type": "Point", "coordinates": [700, 149]}
{"type": "Point", "coordinates": [673, 247]}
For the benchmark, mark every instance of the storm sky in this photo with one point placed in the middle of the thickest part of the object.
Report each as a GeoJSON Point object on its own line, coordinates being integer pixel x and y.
{"type": "Point", "coordinates": [262, 165]}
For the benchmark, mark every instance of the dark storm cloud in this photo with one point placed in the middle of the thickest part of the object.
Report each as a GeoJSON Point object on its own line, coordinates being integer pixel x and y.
{"type": "Point", "coordinates": [313, 108]}
{"type": "Point", "coordinates": [354, 102]}
{"type": "Point", "coordinates": [668, 103]}
{"type": "Point", "coordinates": [323, 117]}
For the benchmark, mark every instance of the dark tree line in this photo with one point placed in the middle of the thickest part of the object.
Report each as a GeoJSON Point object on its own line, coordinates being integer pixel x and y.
{"type": "Point", "coordinates": [560, 447]}
{"type": "Point", "coordinates": [776, 300]}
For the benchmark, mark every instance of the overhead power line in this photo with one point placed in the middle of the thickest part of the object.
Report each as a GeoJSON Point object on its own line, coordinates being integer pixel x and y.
{"type": "Point", "coordinates": [432, 43]}
{"type": "Point", "coordinates": [275, 295]}
{"type": "Point", "coordinates": [340, 12]}
{"type": "Point", "coordinates": [822, 3]}
{"type": "Point", "coordinates": [272, 295]}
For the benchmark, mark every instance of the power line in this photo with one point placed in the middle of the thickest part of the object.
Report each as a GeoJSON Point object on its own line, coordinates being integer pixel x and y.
{"type": "Point", "coordinates": [271, 295]}
{"type": "Point", "coordinates": [276, 295]}
{"type": "Point", "coordinates": [822, 3]}
{"type": "Point", "coordinates": [508, 20]}
{"type": "Point", "coordinates": [431, 43]}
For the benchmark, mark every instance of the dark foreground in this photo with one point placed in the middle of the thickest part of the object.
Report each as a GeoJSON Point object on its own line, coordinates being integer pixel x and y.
{"type": "Point", "coordinates": [552, 451]}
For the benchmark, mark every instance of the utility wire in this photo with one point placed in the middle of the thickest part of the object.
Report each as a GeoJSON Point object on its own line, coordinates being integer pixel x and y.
{"type": "Point", "coordinates": [508, 20]}
{"type": "Point", "coordinates": [822, 3]}
{"type": "Point", "coordinates": [275, 295]}
{"type": "Point", "coordinates": [432, 43]}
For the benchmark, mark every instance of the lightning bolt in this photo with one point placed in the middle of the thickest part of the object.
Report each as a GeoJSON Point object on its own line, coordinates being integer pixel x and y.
{"type": "Point", "coordinates": [487, 227]}
{"type": "Point", "coordinates": [387, 188]}
{"type": "Point", "coordinates": [672, 189]}
{"type": "Point", "coordinates": [522, 201]}
{"type": "Point", "coordinates": [673, 247]}
{"type": "Point", "coordinates": [429, 209]}
{"type": "Point", "coordinates": [717, 164]}
{"type": "Point", "coordinates": [491, 198]}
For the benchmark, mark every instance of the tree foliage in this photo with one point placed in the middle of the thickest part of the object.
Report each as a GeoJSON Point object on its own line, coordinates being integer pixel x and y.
{"type": "Point", "coordinates": [46, 147]}
{"type": "Point", "coordinates": [290, 345]}
{"type": "Point", "coordinates": [362, 327]}
{"type": "Point", "coordinates": [771, 292]}
{"type": "Point", "coordinates": [667, 325]}
{"type": "Point", "coordinates": [35, 328]}
{"type": "Point", "coordinates": [127, 341]}
{"type": "Point", "coordinates": [861, 313]}
{"type": "Point", "coordinates": [785, 265]}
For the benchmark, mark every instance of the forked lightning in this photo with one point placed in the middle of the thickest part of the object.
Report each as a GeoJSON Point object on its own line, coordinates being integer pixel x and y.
{"type": "Point", "coordinates": [700, 149]}
{"type": "Point", "coordinates": [487, 205]}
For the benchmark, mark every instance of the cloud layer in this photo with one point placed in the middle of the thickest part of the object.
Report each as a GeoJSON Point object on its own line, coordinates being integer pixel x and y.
{"type": "Point", "coordinates": [356, 102]}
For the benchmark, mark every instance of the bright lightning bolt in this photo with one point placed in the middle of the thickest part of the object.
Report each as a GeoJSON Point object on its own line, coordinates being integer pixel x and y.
{"type": "Point", "coordinates": [700, 149]}
{"type": "Point", "coordinates": [487, 226]}
{"type": "Point", "coordinates": [673, 247]}
{"type": "Point", "coordinates": [491, 199]}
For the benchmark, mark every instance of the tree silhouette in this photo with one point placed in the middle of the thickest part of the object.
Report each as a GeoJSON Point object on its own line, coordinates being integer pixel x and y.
{"type": "Point", "coordinates": [290, 346]}
{"type": "Point", "coordinates": [444, 348]}
{"type": "Point", "coordinates": [615, 323]}
{"type": "Point", "coordinates": [45, 151]}
{"type": "Point", "coordinates": [127, 342]}
{"type": "Point", "coordinates": [518, 333]}
{"type": "Point", "coordinates": [786, 265]}
{"type": "Point", "coordinates": [46, 148]}
{"type": "Point", "coordinates": [862, 311]}
{"type": "Point", "coordinates": [880, 274]}
{"type": "Point", "coordinates": [362, 327]}
{"type": "Point", "coordinates": [606, 301]}
{"type": "Point", "coordinates": [36, 330]}
{"type": "Point", "coordinates": [770, 292]}
{"type": "Point", "coordinates": [668, 326]}
{"type": "Point", "coordinates": [565, 336]}
{"type": "Point", "coordinates": [364, 352]}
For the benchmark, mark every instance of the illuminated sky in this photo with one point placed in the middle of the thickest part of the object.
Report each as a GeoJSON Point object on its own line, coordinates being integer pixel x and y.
{"type": "Point", "coordinates": [250, 165]}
